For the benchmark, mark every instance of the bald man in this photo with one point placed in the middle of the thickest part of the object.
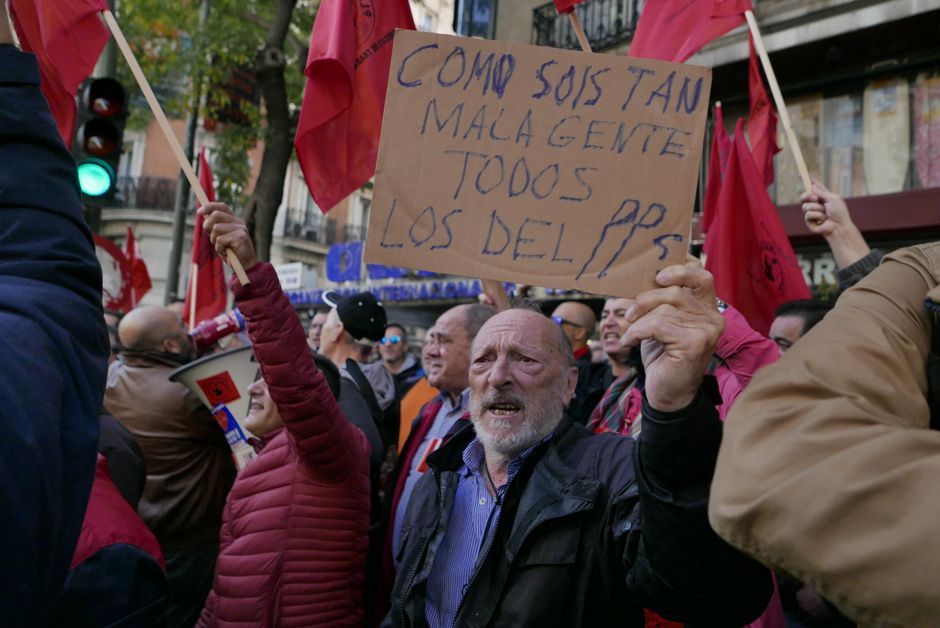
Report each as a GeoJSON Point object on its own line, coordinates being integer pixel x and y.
{"type": "Point", "coordinates": [189, 464]}
{"type": "Point", "coordinates": [577, 320]}
{"type": "Point", "coordinates": [152, 328]}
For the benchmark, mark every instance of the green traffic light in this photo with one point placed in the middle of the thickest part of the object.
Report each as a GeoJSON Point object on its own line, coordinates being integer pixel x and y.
{"type": "Point", "coordinates": [95, 177]}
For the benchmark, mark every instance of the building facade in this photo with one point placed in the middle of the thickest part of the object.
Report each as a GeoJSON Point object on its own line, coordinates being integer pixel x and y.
{"type": "Point", "coordinates": [861, 79]}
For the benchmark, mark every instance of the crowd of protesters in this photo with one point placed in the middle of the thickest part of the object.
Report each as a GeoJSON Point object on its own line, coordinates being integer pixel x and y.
{"type": "Point", "coordinates": [694, 472]}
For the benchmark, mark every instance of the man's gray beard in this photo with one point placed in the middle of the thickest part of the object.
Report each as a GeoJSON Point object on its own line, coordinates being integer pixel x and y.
{"type": "Point", "coordinates": [543, 417]}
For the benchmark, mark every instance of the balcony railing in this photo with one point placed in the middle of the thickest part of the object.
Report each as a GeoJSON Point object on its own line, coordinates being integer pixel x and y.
{"type": "Point", "coordinates": [146, 193]}
{"type": "Point", "coordinates": [309, 224]}
{"type": "Point", "coordinates": [606, 24]}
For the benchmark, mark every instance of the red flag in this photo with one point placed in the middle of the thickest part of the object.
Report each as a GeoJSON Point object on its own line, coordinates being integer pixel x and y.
{"type": "Point", "coordinates": [206, 267]}
{"type": "Point", "coordinates": [67, 37]}
{"type": "Point", "coordinates": [717, 162]}
{"type": "Point", "coordinates": [674, 30]}
{"type": "Point", "coordinates": [762, 121]}
{"type": "Point", "coordinates": [337, 138]}
{"type": "Point", "coordinates": [747, 248]}
{"type": "Point", "coordinates": [140, 278]}
{"type": "Point", "coordinates": [566, 6]}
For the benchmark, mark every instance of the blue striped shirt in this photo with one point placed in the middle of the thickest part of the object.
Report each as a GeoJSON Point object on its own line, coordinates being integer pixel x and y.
{"type": "Point", "coordinates": [472, 522]}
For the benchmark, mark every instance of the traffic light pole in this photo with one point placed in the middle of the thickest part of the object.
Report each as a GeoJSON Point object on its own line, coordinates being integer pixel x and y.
{"type": "Point", "coordinates": [180, 207]}
{"type": "Point", "coordinates": [106, 67]}
{"type": "Point", "coordinates": [107, 63]}
{"type": "Point", "coordinates": [183, 188]}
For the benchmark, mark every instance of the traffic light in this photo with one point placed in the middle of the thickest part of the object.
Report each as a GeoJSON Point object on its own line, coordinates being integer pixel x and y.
{"type": "Point", "coordinates": [99, 132]}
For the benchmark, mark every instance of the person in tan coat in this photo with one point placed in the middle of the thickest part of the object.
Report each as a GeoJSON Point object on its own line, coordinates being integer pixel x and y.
{"type": "Point", "coordinates": [189, 463]}
{"type": "Point", "coordinates": [828, 468]}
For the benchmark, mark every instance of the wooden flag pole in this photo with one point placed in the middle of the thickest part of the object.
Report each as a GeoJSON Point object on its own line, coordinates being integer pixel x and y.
{"type": "Point", "coordinates": [193, 280]}
{"type": "Point", "coordinates": [167, 131]}
{"type": "Point", "coordinates": [579, 31]}
{"type": "Point", "coordinates": [492, 288]}
{"type": "Point", "coordinates": [778, 101]}
{"type": "Point", "coordinates": [497, 294]}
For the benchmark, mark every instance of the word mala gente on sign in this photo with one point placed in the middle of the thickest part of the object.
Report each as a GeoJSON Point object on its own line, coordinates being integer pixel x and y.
{"type": "Point", "coordinates": [536, 165]}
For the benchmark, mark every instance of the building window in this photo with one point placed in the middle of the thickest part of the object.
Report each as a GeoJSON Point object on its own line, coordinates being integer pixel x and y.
{"type": "Point", "coordinates": [607, 23]}
{"type": "Point", "coordinates": [127, 159]}
{"type": "Point", "coordinates": [880, 138]}
{"type": "Point", "coordinates": [306, 222]}
{"type": "Point", "coordinates": [358, 221]}
{"type": "Point", "coordinates": [475, 18]}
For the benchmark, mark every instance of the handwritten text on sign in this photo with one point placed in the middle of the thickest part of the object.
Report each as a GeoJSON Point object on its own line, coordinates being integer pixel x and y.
{"type": "Point", "coordinates": [536, 165]}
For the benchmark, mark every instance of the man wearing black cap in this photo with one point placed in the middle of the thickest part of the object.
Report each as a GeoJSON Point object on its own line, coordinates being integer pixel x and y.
{"type": "Point", "coordinates": [351, 319]}
{"type": "Point", "coordinates": [364, 396]}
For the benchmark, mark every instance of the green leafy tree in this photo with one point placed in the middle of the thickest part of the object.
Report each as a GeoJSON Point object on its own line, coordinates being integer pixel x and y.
{"type": "Point", "coordinates": [266, 38]}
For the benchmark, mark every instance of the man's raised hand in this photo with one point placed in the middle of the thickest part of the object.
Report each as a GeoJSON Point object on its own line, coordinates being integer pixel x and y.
{"type": "Point", "coordinates": [679, 326]}
{"type": "Point", "coordinates": [826, 214]}
{"type": "Point", "coordinates": [226, 231]}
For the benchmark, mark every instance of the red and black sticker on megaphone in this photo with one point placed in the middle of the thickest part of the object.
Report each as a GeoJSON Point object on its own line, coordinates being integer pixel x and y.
{"type": "Point", "coordinates": [219, 388]}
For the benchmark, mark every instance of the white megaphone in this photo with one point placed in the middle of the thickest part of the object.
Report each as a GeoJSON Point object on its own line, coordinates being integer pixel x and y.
{"type": "Point", "coordinates": [221, 382]}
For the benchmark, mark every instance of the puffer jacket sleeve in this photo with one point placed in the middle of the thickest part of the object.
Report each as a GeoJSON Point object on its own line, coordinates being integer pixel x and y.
{"type": "Point", "coordinates": [828, 469]}
{"type": "Point", "coordinates": [328, 443]}
{"type": "Point", "coordinates": [742, 352]}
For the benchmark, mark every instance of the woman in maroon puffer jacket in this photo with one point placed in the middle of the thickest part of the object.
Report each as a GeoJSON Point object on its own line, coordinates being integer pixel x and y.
{"type": "Point", "coordinates": [295, 526]}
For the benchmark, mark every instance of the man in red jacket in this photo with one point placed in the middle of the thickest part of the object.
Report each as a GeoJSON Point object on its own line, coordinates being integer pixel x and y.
{"type": "Point", "coordinates": [295, 529]}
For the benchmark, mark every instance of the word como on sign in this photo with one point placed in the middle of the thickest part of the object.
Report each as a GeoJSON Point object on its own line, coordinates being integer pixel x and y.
{"type": "Point", "coordinates": [541, 166]}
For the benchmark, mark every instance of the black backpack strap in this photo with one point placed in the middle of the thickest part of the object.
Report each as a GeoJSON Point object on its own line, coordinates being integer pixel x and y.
{"type": "Point", "coordinates": [933, 370]}
{"type": "Point", "coordinates": [362, 383]}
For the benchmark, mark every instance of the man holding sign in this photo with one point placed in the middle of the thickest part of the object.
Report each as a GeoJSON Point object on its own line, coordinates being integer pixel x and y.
{"type": "Point", "coordinates": [530, 520]}
{"type": "Point", "coordinates": [574, 171]}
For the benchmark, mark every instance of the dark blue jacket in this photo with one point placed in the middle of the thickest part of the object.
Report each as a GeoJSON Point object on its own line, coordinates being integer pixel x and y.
{"type": "Point", "coordinates": [54, 348]}
{"type": "Point", "coordinates": [593, 529]}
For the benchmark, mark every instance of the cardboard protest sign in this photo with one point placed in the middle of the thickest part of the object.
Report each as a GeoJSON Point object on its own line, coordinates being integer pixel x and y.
{"type": "Point", "coordinates": [542, 166]}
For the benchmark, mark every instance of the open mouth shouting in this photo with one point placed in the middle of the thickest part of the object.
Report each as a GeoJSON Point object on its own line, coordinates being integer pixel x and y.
{"type": "Point", "coordinates": [505, 407]}
{"type": "Point", "coordinates": [611, 340]}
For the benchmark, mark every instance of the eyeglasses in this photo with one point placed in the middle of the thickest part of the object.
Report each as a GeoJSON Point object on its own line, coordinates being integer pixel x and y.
{"type": "Point", "coordinates": [563, 321]}
{"type": "Point", "coordinates": [390, 340]}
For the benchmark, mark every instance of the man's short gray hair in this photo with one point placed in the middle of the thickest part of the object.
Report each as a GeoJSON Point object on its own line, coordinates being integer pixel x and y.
{"type": "Point", "coordinates": [475, 316]}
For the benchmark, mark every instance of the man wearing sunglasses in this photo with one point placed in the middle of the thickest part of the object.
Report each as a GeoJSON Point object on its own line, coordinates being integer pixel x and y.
{"type": "Point", "coordinates": [577, 320]}
{"type": "Point", "coordinates": [401, 363]}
